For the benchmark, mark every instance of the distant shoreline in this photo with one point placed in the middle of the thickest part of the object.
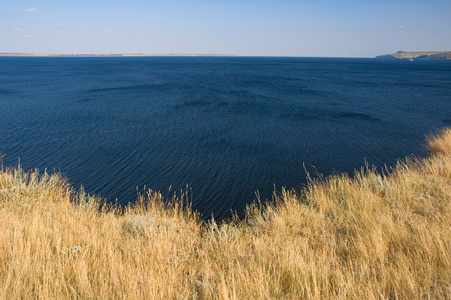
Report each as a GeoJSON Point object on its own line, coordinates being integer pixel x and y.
{"type": "Point", "coordinates": [110, 55]}
{"type": "Point", "coordinates": [442, 55]}
{"type": "Point", "coordinates": [423, 55]}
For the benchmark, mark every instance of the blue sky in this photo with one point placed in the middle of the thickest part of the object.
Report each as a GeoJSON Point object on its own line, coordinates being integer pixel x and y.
{"type": "Point", "coordinates": [247, 27]}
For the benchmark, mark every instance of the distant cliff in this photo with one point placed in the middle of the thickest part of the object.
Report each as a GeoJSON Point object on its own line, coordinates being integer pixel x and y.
{"type": "Point", "coordinates": [418, 55]}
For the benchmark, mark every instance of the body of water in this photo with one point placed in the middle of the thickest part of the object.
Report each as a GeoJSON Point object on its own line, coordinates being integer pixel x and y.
{"type": "Point", "coordinates": [226, 127]}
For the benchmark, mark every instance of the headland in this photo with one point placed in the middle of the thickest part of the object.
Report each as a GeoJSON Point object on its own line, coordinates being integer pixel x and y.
{"type": "Point", "coordinates": [418, 55]}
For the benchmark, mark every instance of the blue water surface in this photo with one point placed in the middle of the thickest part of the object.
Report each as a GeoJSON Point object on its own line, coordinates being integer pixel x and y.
{"type": "Point", "coordinates": [226, 127]}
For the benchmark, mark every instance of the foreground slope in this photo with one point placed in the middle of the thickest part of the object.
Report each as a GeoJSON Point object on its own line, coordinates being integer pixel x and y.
{"type": "Point", "coordinates": [373, 236]}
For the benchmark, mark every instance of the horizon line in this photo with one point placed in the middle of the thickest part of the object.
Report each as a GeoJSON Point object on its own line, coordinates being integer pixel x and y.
{"type": "Point", "coordinates": [20, 54]}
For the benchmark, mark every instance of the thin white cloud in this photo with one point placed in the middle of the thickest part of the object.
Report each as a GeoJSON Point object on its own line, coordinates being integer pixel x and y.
{"type": "Point", "coordinates": [401, 26]}
{"type": "Point", "coordinates": [60, 25]}
{"type": "Point", "coordinates": [16, 29]}
{"type": "Point", "coordinates": [28, 36]}
{"type": "Point", "coordinates": [30, 10]}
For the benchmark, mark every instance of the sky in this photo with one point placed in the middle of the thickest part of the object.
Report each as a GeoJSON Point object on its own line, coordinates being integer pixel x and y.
{"type": "Point", "coordinates": [346, 28]}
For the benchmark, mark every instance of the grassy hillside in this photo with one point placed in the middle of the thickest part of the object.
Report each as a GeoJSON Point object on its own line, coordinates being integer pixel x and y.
{"type": "Point", "coordinates": [375, 236]}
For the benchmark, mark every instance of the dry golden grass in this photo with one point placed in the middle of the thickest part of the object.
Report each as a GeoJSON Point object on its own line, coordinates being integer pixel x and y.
{"type": "Point", "coordinates": [373, 236]}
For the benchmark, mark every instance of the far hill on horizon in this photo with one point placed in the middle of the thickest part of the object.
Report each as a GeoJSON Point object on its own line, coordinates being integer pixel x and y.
{"type": "Point", "coordinates": [418, 55]}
